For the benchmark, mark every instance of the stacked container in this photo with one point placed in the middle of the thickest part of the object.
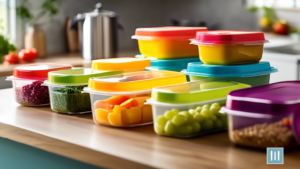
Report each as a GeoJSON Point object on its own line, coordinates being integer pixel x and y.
{"type": "Point", "coordinates": [231, 56]}
{"type": "Point", "coordinates": [121, 64]}
{"type": "Point", "coordinates": [168, 47]}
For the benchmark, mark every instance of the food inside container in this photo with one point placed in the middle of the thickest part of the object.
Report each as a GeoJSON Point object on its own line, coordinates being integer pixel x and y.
{"type": "Point", "coordinates": [27, 83]}
{"type": "Point", "coordinates": [168, 42]}
{"type": "Point", "coordinates": [120, 100]}
{"type": "Point", "coordinates": [190, 109]}
{"type": "Point", "coordinates": [121, 64]}
{"type": "Point", "coordinates": [265, 116]}
{"type": "Point", "coordinates": [227, 47]}
{"type": "Point", "coordinates": [66, 88]}
{"type": "Point", "coordinates": [252, 74]}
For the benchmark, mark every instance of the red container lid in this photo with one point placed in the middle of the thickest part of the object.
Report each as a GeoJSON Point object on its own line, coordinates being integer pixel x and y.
{"type": "Point", "coordinates": [229, 37]}
{"type": "Point", "coordinates": [38, 71]}
{"type": "Point", "coordinates": [168, 32]}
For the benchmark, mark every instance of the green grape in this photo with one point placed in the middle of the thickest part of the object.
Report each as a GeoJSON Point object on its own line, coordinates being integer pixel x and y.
{"type": "Point", "coordinates": [170, 128]}
{"type": "Point", "coordinates": [158, 129]}
{"type": "Point", "coordinates": [170, 114]}
{"type": "Point", "coordinates": [219, 115]}
{"type": "Point", "coordinates": [208, 114]}
{"type": "Point", "coordinates": [216, 105]}
{"type": "Point", "coordinates": [198, 109]}
{"type": "Point", "coordinates": [218, 124]}
{"type": "Point", "coordinates": [161, 120]}
{"type": "Point", "coordinates": [205, 107]}
{"type": "Point", "coordinates": [176, 111]}
{"type": "Point", "coordinates": [214, 110]}
{"type": "Point", "coordinates": [207, 125]}
{"type": "Point", "coordinates": [196, 127]}
{"type": "Point", "coordinates": [199, 118]}
{"type": "Point", "coordinates": [187, 114]}
{"type": "Point", "coordinates": [179, 119]}
{"type": "Point", "coordinates": [185, 130]}
{"type": "Point", "coordinates": [224, 121]}
{"type": "Point", "coordinates": [192, 112]}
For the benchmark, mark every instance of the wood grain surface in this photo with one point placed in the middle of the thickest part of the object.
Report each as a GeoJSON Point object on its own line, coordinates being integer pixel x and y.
{"type": "Point", "coordinates": [79, 138]}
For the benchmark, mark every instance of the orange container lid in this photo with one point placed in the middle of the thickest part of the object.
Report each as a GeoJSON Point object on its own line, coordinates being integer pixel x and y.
{"type": "Point", "coordinates": [124, 64]}
{"type": "Point", "coordinates": [38, 71]}
{"type": "Point", "coordinates": [168, 32]}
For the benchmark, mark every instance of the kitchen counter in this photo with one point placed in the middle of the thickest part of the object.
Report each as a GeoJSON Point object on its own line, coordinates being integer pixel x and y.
{"type": "Point", "coordinates": [77, 137]}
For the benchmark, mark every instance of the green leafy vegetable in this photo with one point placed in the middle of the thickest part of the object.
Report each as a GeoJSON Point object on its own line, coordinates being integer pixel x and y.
{"type": "Point", "coordinates": [71, 89]}
{"type": "Point", "coordinates": [5, 45]}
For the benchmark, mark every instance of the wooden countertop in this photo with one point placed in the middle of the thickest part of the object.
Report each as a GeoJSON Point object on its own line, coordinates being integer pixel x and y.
{"type": "Point", "coordinates": [74, 59]}
{"type": "Point", "coordinates": [77, 137]}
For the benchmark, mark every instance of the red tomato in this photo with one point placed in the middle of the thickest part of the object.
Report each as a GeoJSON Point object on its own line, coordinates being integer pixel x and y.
{"type": "Point", "coordinates": [27, 55]}
{"type": "Point", "coordinates": [11, 58]}
{"type": "Point", "coordinates": [280, 28]}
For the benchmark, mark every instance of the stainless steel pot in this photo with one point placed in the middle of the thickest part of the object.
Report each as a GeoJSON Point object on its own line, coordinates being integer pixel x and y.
{"type": "Point", "coordinates": [99, 33]}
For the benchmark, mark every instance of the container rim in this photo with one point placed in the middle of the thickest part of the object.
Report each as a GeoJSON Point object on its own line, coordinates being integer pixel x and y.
{"type": "Point", "coordinates": [247, 114]}
{"type": "Point", "coordinates": [156, 103]}
{"type": "Point", "coordinates": [91, 91]}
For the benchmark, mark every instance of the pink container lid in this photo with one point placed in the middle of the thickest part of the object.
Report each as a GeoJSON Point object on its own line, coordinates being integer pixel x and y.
{"type": "Point", "coordinates": [229, 37]}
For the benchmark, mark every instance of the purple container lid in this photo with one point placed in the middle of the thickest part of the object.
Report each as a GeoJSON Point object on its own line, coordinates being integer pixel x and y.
{"type": "Point", "coordinates": [277, 99]}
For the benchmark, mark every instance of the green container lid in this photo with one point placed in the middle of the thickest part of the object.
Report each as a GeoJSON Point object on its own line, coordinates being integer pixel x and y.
{"type": "Point", "coordinates": [76, 76]}
{"type": "Point", "coordinates": [199, 91]}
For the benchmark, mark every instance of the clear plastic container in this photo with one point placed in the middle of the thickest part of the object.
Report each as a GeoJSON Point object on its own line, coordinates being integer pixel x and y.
{"type": "Point", "coordinates": [228, 47]}
{"type": "Point", "coordinates": [252, 74]}
{"type": "Point", "coordinates": [190, 109]}
{"type": "Point", "coordinates": [121, 64]}
{"type": "Point", "coordinates": [66, 88]}
{"type": "Point", "coordinates": [120, 100]}
{"type": "Point", "coordinates": [27, 83]}
{"type": "Point", "coordinates": [167, 42]}
{"type": "Point", "coordinates": [265, 116]}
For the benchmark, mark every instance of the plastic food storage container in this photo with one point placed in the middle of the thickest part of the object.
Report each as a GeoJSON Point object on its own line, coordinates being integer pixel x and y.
{"type": "Point", "coordinates": [265, 116]}
{"type": "Point", "coordinates": [230, 47]}
{"type": "Point", "coordinates": [66, 88]}
{"type": "Point", "coordinates": [121, 64]}
{"type": "Point", "coordinates": [190, 109]}
{"type": "Point", "coordinates": [27, 83]}
{"type": "Point", "coordinates": [120, 100]}
{"type": "Point", "coordinates": [167, 42]}
{"type": "Point", "coordinates": [252, 74]}
{"type": "Point", "coordinates": [171, 64]}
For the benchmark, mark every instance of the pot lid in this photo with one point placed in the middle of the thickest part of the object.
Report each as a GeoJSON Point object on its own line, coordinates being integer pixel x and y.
{"type": "Point", "coordinates": [248, 70]}
{"type": "Point", "coordinates": [38, 71]}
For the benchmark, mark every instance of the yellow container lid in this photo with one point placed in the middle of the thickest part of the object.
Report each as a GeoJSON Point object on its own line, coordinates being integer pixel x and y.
{"type": "Point", "coordinates": [124, 64]}
{"type": "Point", "coordinates": [136, 81]}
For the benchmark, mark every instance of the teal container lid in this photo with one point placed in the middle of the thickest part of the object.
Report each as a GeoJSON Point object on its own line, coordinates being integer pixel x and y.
{"type": "Point", "coordinates": [76, 76]}
{"type": "Point", "coordinates": [249, 70]}
{"type": "Point", "coordinates": [171, 64]}
{"type": "Point", "coordinates": [191, 92]}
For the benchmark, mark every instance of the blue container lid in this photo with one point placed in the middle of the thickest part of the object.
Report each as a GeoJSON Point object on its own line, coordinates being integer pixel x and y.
{"type": "Point", "coordinates": [171, 64]}
{"type": "Point", "coordinates": [249, 70]}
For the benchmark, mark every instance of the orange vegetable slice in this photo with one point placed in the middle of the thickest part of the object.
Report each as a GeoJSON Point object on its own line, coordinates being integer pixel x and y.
{"type": "Point", "coordinates": [141, 100]}
{"type": "Point", "coordinates": [123, 112]}
{"type": "Point", "coordinates": [101, 115]}
{"type": "Point", "coordinates": [129, 103]}
{"type": "Point", "coordinates": [115, 119]}
{"type": "Point", "coordinates": [110, 102]}
{"type": "Point", "coordinates": [147, 113]}
{"type": "Point", "coordinates": [135, 115]}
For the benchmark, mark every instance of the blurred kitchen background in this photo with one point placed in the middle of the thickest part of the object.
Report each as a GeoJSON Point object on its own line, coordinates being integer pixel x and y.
{"type": "Point", "coordinates": [283, 52]}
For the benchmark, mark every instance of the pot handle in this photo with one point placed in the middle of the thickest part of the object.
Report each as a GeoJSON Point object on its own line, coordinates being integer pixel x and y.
{"type": "Point", "coordinates": [75, 20]}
